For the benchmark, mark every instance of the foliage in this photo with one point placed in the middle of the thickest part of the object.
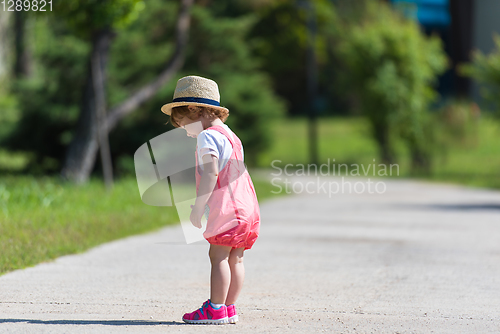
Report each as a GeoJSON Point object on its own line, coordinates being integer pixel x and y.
{"type": "Point", "coordinates": [219, 50]}
{"type": "Point", "coordinates": [458, 123]}
{"type": "Point", "coordinates": [10, 113]}
{"type": "Point", "coordinates": [47, 102]}
{"type": "Point", "coordinates": [253, 110]}
{"type": "Point", "coordinates": [391, 68]}
{"type": "Point", "coordinates": [88, 16]}
{"type": "Point", "coordinates": [280, 40]}
{"type": "Point", "coordinates": [486, 70]}
{"type": "Point", "coordinates": [138, 54]}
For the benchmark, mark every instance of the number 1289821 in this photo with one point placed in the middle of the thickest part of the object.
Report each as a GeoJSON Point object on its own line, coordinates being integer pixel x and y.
{"type": "Point", "coordinates": [26, 5]}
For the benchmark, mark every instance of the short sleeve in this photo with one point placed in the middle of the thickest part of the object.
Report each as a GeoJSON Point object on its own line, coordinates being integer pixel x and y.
{"type": "Point", "coordinates": [207, 145]}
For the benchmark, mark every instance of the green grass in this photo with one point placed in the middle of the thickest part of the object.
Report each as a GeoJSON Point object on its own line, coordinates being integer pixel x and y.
{"type": "Point", "coordinates": [475, 164]}
{"type": "Point", "coordinates": [265, 189]}
{"type": "Point", "coordinates": [10, 161]}
{"type": "Point", "coordinates": [43, 218]}
{"type": "Point", "coordinates": [344, 139]}
{"type": "Point", "coordinates": [348, 140]}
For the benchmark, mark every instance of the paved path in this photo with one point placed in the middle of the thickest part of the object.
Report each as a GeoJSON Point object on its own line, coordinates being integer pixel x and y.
{"type": "Point", "coordinates": [419, 258]}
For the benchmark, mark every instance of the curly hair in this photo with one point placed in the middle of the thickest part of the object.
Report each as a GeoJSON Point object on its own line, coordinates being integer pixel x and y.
{"type": "Point", "coordinates": [179, 113]}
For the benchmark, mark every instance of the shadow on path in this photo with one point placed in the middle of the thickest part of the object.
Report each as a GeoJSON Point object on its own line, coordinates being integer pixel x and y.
{"type": "Point", "coordinates": [95, 322]}
{"type": "Point", "coordinates": [455, 206]}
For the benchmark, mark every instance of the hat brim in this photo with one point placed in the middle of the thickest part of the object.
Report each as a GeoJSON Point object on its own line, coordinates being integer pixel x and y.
{"type": "Point", "coordinates": [167, 108]}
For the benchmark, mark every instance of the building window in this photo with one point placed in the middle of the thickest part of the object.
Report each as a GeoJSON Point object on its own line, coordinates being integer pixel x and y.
{"type": "Point", "coordinates": [429, 13]}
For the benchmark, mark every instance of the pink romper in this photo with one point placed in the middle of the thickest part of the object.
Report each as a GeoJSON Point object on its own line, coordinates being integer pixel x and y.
{"type": "Point", "coordinates": [234, 214]}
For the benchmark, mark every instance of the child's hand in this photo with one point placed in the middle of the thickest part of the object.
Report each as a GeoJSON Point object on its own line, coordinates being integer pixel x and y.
{"type": "Point", "coordinates": [196, 215]}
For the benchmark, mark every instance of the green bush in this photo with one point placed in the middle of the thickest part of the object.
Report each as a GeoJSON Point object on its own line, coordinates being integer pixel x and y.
{"type": "Point", "coordinates": [459, 121]}
{"type": "Point", "coordinates": [390, 67]}
{"type": "Point", "coordinates": [280, 40]}
{"type": "Point", "coordinates": [486, 70]}
{"type": "Point", "coordinates": [9, 115]}
{"type": "Point", "coordinates": [42, 109]}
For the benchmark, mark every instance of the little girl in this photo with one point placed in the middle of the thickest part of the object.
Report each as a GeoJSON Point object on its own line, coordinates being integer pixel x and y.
{"type": "Point", "coordinates": [224, 189]}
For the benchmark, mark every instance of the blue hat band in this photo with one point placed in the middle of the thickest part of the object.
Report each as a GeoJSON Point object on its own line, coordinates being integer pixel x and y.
{"type": "Point", "coordinates": [197, 100]}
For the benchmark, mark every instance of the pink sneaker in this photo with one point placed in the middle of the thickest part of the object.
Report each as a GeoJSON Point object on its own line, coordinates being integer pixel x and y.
{"type": "Point", "coordinates": [207, 315]}
{"type": "Point", "coordinates": [231, 314]}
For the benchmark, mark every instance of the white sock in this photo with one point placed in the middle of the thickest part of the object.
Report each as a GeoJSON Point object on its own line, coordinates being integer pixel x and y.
{"type": "Point", "coordinates": [216, 305]}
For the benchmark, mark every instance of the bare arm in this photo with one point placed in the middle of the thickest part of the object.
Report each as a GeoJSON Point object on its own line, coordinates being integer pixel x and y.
{"type": "Point", "coordinates": [205, 188]}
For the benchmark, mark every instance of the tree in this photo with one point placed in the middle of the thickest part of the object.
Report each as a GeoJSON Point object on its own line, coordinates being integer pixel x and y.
{"type": "Point", "coordinates": [486, 70]}
{"type": "Point", "coordinates": [220, 49]}
{"type": "Point", "coordinates": [22, 63]}
{"type": "Point", "coordinates": [280, 40]}
{"type": "Point", "coordinates": [97, 20]}
{"type": "Point", "coordinates": [94, 21]}
{"type": "Point", "coordinates": [391, 67]}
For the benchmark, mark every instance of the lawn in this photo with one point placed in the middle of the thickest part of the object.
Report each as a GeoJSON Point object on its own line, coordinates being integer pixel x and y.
{"type": "Point", "coordinates": [348, 141]}
{"type": "Point", "coordinates": [42, 218]}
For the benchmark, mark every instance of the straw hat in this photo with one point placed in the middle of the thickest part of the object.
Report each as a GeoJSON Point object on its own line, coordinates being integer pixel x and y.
{"type": "Point", "coordinates": [195, 91]}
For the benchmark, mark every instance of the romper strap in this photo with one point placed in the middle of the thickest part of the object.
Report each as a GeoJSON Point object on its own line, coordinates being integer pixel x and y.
{"type": "Point", "coordinates": [229, 136]}
{"type": "Point", "coordinates": [224, 131]}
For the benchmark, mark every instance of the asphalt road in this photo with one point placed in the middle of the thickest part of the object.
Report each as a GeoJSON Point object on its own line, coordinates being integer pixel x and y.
{"type": "Point", "coordinates": [418, 258]}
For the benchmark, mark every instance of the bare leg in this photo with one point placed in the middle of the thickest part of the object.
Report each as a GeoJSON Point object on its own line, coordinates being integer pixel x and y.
{"type": "Point", "coordinates": [221, 275]}
{"type": "Point", "coordinates": [237, 275]}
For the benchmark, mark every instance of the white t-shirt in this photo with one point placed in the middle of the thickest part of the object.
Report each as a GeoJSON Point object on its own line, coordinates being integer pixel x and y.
{"type": "Point", "coordinates": [215, 143]}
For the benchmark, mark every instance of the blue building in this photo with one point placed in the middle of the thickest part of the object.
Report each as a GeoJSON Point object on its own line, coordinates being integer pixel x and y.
{"type": "Point", "coordinates": [464, 25]}
{"type": "Point", "coordinates": [430, 13]}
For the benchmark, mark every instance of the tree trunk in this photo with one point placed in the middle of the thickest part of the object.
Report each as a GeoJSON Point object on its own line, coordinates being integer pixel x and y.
{"type": "Point", "coordinates": [420, 159]}
{"type": "Point", "coordinates": [381, 134]}
{"type": "Point", "coordinates": [312, 83]}
{"type": "Point", "coordinates": [5, 44]}
{"type": "Point", "coordinates": [81, 154]}
{"type": "Point", "coordinates": [420, 162]}
{"type": "Point", "coordinates": [99, 77]}
{"type": "Point", "coordinates": [22, 66]}
{"type": "Point", "coordinates": [173, 65]}
{"type": "Point", "coordinates": [82, 151]}
{"type": "Point", "coordinates": [462, 38]}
